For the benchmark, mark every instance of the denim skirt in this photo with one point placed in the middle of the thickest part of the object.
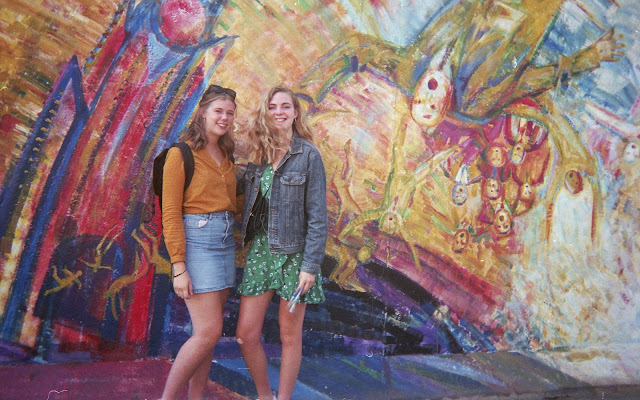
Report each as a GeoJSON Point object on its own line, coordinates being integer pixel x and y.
{"type": "Point", "coordinates": [210, 256]}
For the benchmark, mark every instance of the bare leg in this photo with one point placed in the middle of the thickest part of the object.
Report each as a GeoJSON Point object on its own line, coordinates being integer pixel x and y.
{"type": "Point", "coordinates": [250, 320]}
{"type": "Point", "coordinates": [198, 382]}
{"type": "Point", "coordinates": [205, 310]}
{"type": "Point", "coordinates": [291, 338]}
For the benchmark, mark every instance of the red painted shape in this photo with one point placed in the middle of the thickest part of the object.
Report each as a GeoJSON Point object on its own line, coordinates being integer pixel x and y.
{"type": "Point", "coordinates": [95, 381]}
{"type": "Point", "coordinates": [7, 123]}
{"type": "Point", "coordinates": [183, 21]}
{"type": "Point", "coordinates": [138, 317]}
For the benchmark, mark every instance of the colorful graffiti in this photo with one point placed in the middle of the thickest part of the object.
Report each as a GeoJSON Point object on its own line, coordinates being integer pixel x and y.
{"type": "Point", "coordinates": [482, 161]}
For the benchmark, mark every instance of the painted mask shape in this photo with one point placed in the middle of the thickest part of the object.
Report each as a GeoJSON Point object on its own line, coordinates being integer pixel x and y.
{"type": "Point", "coordinates": [631, 152]}
{"type": "Point", "coordinates": [495, 156]}
{"type": "Point", "coordinates": [502, 221]}
{"type": "Point", "coordinates": [492, 189]}
{"type": "Point", "coordinates": [573, 181]}
{"type": "Point", "coordinates": [431, 98]}
{"type": "Point", "coordinates": [461, 240]}
{"type": "Point", "coordinates": [459, 194]}
{"type": "Point", "coordinates": [517, 153]}
{"type": "Point", "coordinates": [526, 192]}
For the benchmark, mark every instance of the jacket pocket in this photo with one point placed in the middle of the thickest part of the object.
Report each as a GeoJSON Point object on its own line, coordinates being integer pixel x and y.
{"type": "Point", "coordinates": [293, 187]}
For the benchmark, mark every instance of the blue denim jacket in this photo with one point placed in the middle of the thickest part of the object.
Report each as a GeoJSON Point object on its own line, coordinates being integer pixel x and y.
{"type": "Point", "coordinates": [298, 204]}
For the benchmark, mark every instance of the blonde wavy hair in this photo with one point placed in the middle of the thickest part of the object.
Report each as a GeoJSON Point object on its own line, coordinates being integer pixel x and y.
{"type": "Point", "coordinates": [267, 141]}
{"type": "Point", "coordinates": [196, 133]}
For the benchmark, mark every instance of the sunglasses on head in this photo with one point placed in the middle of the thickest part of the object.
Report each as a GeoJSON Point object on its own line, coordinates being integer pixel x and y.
{"type": "Point", "coordinates": [220, 89]}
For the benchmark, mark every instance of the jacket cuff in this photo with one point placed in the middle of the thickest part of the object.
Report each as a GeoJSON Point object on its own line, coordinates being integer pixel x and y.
{"type": "Point", "coordinates": [310, 268]}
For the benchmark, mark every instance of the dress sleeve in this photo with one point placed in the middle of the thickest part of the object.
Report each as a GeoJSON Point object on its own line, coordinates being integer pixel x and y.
{"type": "Point", "coordinates": [172, 200]}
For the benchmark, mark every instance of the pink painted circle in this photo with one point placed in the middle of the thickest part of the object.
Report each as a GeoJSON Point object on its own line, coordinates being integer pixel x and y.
{"type": "Point", "coordinates": [182, 21]}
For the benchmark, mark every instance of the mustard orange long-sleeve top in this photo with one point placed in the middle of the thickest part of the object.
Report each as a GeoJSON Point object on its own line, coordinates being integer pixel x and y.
{"type": "Point", "coordinates": [212, 189]}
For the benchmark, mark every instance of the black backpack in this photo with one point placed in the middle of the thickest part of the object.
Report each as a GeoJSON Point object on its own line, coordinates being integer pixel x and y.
{"type": "Point", "coordinates": [158, 167]}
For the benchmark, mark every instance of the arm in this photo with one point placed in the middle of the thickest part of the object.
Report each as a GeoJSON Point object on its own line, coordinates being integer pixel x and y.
{"type": "Point", "coordinates": [240, 188]}
{"type": "Point", "coordinates": [316, 215]}
{"type": "Point", "coordinates": [537, 79]}
{"type": "Point", "coordinates": [173, 229]}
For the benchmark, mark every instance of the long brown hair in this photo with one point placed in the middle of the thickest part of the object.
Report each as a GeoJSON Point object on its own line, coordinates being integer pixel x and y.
{"type": "Point", "coordinates": [265, 138]}
{"type": "Point", "coordinates": [196, 134]}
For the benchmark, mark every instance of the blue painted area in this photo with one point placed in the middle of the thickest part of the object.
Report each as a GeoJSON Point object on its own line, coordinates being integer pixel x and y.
{"type": "Point", "coordinates": [406, 377]}
{"type": "Point", "coordinates": [16, 304]}
{"type": "Point", "coordinates": [234, 375]}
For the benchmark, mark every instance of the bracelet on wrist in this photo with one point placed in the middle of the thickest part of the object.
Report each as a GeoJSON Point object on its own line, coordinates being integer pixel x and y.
{"type": "Point", "coordinates": [177, 275]}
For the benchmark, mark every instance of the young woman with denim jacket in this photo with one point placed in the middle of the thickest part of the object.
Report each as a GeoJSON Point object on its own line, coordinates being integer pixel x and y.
{"type": "Point", "coordinates": [286, 255]}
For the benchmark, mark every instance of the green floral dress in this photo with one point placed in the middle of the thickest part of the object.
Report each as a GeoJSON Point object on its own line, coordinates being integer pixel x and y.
{"type": "Point", "coordinates": [265, 271]}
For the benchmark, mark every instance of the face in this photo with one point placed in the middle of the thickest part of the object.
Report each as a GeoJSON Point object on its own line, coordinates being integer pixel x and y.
{"type": "Point", "coordinates": [573, 181]}
{"type": "Point", "coordinates": [502, 222]}
{"type": "Point", "coordinates": [492, 189]}
{"type": "Point", "coordinates": [496, 157]}
{"type": "Point", "coordinates": [517, 153]}
{"type": "Point", "coordinates": [461, 240]}
{"type": "Point", "coordinates": [219, 117]}
{"type": "Point", "coordinates": [459, 194]}
{"type": "Point", "coordinates": [282, 111]}
{"type": "Point", "coordinates": [431, 98]}
{"type": "Point", "coordinates": [526, 192]}
{"type": "Point", "coordinates": [631, 152]}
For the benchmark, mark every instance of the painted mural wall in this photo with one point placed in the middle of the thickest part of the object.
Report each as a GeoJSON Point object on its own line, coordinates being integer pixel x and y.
{"type": "Point", "coordinates": [482, 157]}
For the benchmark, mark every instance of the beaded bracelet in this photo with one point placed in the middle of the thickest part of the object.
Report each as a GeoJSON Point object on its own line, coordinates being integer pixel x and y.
{"type": "Point", "coordinates": [175, 276]}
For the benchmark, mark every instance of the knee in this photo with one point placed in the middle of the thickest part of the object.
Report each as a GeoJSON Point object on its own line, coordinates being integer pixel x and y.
{"type": "Point", "coordinates": [209, 337]}
{"type": "Point", "coordinates": [245, 336]}
{"type": "Point", "coordinates": [290, 337]}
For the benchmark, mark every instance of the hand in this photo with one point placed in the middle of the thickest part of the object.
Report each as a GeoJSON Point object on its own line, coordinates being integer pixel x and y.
{"type": "Point", "coordinates": [182, 283]}
{"type": "Point", "coordinates": [306, 281]}
{"type": "Point", "coordinates": [609, 46]}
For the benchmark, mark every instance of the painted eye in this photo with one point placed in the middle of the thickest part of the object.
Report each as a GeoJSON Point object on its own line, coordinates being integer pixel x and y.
{"type": "Point", "coordinates": [633, 146]}
{"type": "Point", "coordinates": [433, 84]}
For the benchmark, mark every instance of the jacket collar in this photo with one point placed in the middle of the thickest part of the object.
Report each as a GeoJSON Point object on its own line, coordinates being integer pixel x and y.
{"type": "Point", "coordinates": [296, 143]}
{"type": "Point", "coordinates": [295, 147]}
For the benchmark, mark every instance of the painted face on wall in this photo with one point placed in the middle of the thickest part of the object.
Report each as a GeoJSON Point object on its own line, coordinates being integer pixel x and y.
{"type": "Point", "coordinates": [495, 156]}
{"type": "Point", "coordinates": [573, 181]}
{"type": "Point", "coordinates": [518, 153]}
{"type": "Point", "coordinates": [502, 221]}
{"type": "Point", "coordinates": [459, 194]}
{"type": "Point", "coordinates": [526, 192]}
{"type": "Point", "coordinates": [631, 152]}
{"type": "Point", "coordinates": [431, 98]}
{"type": "Point", "coordinates": [461, 240]}
{"type": "Point", "coordinates": [492, 189]}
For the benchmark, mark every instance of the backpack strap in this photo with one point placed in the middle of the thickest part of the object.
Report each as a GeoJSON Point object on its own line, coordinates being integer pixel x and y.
{"type": "Point", "coordinates": [189, 163]}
